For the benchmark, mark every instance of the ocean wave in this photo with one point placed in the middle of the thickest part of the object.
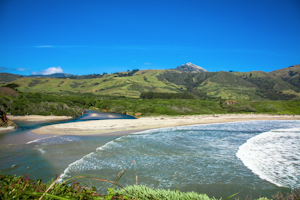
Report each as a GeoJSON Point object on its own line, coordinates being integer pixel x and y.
{"type": "Point", "coordinates": [274, 156]}
{"type": "Point", "coordinates": [197, 154]}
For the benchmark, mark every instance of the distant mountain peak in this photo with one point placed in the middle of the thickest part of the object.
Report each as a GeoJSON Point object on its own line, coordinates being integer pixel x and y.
{"type": "Point", "coordinates": [190, 67]}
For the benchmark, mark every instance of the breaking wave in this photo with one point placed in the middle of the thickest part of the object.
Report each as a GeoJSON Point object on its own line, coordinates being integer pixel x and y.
{"type": "Point", "coordinates": [202, 154]}
{"type": "Point", "coordinates": [274, 156]}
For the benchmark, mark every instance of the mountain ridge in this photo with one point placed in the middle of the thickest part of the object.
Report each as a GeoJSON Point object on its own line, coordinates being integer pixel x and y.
{"type": "Point", "coordinates": [255, 85]}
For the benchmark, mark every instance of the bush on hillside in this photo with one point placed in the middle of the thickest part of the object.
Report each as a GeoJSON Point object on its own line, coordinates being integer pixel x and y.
{"type": "Point", "coordinates": [8, 92]}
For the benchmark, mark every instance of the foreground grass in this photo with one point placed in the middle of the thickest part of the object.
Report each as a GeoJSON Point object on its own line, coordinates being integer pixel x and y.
{"type": "Point", "coordinates": [12, 187]}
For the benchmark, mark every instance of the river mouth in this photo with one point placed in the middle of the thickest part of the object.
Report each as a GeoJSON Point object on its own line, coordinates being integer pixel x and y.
{"type": "Point", "coordinates": [24, 135]}
{"type": "Point", "coordinates": [199, 158]}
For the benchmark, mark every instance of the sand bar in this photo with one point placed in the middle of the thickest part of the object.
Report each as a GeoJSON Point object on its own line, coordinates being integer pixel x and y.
{"type": "Point", "coordinates": [37, 118]}
{"type": "Point", "coordinates": [115, 125]}
{"type": "Point", "coordinates": [6, 129]}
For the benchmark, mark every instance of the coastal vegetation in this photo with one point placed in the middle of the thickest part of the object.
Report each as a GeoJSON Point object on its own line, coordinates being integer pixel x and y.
{"type": "Point", "coordinates": [22, 187]}
{"type": "Point", "coordinates": [44, 104]}
{"type": "Point", "coordinates": [148, 107]}
{"type": "Point", "coordinates": [150, 104]}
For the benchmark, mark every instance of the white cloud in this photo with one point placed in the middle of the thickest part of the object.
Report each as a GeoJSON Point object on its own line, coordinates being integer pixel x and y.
{"type": "Point", "coordinates": [50, 70]}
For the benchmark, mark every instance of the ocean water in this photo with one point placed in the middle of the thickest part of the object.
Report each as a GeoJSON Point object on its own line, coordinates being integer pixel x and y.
{"type": "Point", "coordinates": [256, 158]}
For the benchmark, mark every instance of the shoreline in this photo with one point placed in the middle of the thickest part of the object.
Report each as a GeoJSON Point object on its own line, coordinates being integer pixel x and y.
{"type": "Point", "coordinates": [37, 118]}
{"type": "Point", "coordinates": [127, 126]}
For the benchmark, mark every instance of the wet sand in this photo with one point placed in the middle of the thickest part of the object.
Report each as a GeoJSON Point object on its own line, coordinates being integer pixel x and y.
{"type": "Point", "coordinates": [127, 126]}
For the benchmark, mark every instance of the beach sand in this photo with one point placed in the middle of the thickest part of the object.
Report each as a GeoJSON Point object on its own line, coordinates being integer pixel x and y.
{"type": "Point", "coordinates": [38, 118]}
{"type": "Point", "coordinates": [7, 129]}
{"type": "Point", "coordinates": [129, 125]}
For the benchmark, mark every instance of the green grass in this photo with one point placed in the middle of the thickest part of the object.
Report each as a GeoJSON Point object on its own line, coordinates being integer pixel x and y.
{"type": "Point", "coordinates": [22, 187]}
{"type": "Point", "coordinates": [145, 192]}
{"type": "Point", "coordinates": [108, 85]}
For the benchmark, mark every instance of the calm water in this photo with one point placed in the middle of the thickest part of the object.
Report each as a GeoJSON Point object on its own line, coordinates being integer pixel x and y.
{"type": "Point", "coordinates": [258, 157]}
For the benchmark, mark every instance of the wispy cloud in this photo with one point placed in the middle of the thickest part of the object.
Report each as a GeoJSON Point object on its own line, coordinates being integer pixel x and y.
{"type": "Point", "coordinates": [59, 46]}
{"type": "Point", "coordinates": [3, 68]}
{"type": "Point", "coordinates": [48, 71]}
{"type": "Point", "coordinates": [7, 69]}
{"type": "Point", "coordinates": [117, 47]}
{"type": "Point", "coordinates": [147, 63]}
{"type": "Point", "coordinates": [45, 46]}
{"type": "Point", "coordinates": [22, 69]}
{"type": "Point", "coordinates": [170, 48]}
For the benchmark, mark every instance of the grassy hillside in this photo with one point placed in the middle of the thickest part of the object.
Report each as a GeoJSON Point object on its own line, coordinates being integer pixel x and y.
{"type": "Point", "coordinates": [227, 86]}
{"type": "Point", "coordinates": [269, 86]}
{"type": "Point", "coordinates": [130, 86]}
{"type": "Point", "coordinates": [256, 85]}
{"type": "Point", "coordinates": [290, 74]}
{"type": "Point", "coordinates": [7, 77]}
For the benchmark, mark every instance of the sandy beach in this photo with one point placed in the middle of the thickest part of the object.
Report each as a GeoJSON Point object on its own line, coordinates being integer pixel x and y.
{"type": "Point", "coordinates": [6, 129]}
{"type": "Point", "coordinates": [117, 125]}
{"type": "Point", "coordinates": [37, 118]}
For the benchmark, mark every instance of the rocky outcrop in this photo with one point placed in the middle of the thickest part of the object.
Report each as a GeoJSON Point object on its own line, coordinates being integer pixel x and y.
{"type": "Point", "coordinates": [4, 121]}
{"type": "Point", "coordinates": [190, 67]}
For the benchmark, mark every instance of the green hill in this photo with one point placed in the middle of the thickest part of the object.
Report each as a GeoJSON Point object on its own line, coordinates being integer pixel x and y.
{"type": "Point", "coordinates": [7, 77]}
{"type": "Point", "coordinates": [269, 86]}
{"type": "Point", "coordinates": [111, 84]}
{"type": "Point", "coordinates": [281, 84]}
{"type": "Point", "coordinates": [290, 74]}
{"type": "Point", "coordinates": [227, 86]}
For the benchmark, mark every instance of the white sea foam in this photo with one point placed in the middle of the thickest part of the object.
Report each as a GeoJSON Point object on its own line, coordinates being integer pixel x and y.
{"type": "Point", "coordinates": [84, 163]}
{"type": "Point", "coordinates": [274, 156]}
{"type": "Point", "coordinates": [41, 150]}
{"type": "Point", "coordinates": [52, 140]}
{"type": "Point", "coordinates": [39, 140]}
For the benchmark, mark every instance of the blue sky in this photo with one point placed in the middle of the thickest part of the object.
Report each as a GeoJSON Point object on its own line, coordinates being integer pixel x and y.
{"type": "Point", "coordinates": [86, 37]}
